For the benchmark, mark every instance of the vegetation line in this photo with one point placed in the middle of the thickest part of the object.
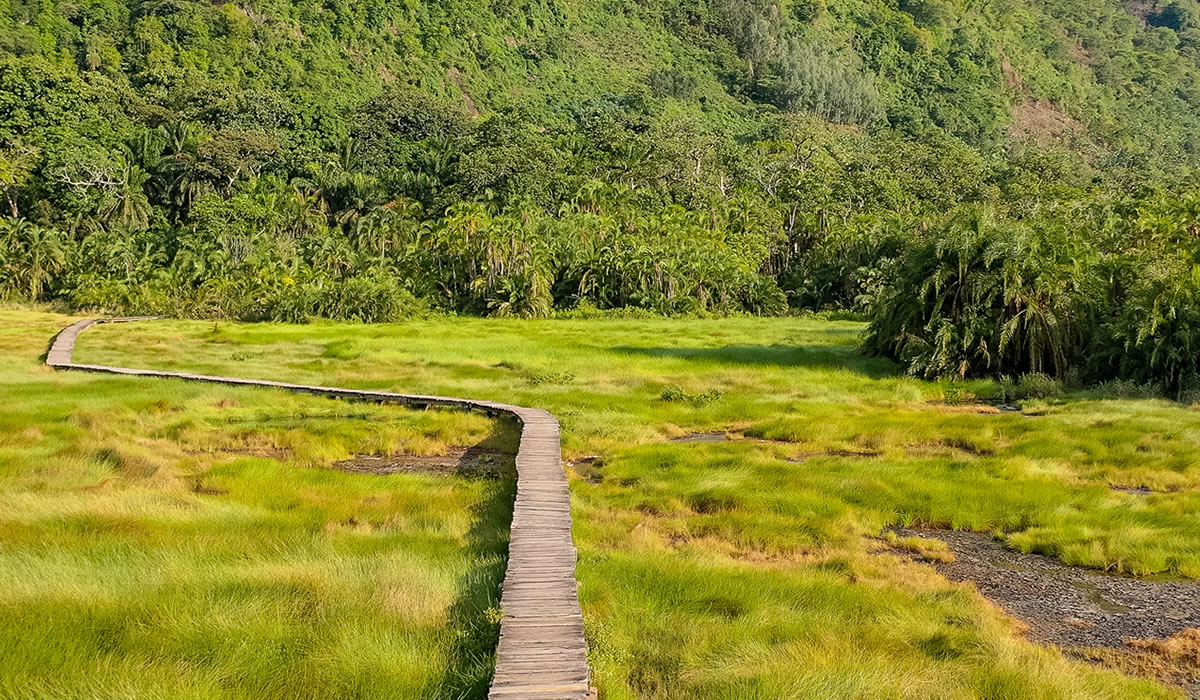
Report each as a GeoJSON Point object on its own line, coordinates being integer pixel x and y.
{"type": "Point", "coordinates": [541, 652]}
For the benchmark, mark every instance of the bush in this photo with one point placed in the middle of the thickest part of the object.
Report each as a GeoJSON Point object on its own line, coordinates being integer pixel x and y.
{"type": "Point", "coordinates": [586, 310]}
{"type": "Point", "coordinates": [700, 400]}
{"type": "Point", "coordinates": [374, 298]}
{"type": "Point", "coordinates": [1029, 386]}
{"type": "Point", "coordinates": [671, 82]}
{"type": "Point", "coordinates": [1128, 389]}
{"type": "Point", "coordinates": [1156, 337]}
{"type": "Point", "coordinates": [956, 396]}
{"type": "Point", "coordinates": [983, 296]}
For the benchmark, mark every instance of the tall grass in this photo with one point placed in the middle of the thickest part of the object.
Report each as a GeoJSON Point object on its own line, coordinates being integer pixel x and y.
{"type": "Point", "coordinates": [753, 568]}
{"type": "Point", "coordinates": [164, 539]}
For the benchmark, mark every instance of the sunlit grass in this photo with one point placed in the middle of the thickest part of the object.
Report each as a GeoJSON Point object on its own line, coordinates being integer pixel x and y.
{"type": "Point", "coordinates": [166, 539]}
{"type": "Point", "coordinates": [753, 568]}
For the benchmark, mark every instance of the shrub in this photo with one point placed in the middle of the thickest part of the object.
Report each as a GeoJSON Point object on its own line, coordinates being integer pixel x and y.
{"type": "Point", "coordinates": [1029, 386]}
{"type": "Point", "coordinates": [981, 296]}
{"type": "Point", "coordinates": [1156, 337]}
{"type": "Point", "coordinates": [955, 396]}
{"type": "Point", "coordinates": [700, 400]}
{"type": "Point", "coordinates": [373, 298]}
{"type": "Point", "coordinates": [671, 82]}
{"type": "Point", "coordinates": [1128, 389]}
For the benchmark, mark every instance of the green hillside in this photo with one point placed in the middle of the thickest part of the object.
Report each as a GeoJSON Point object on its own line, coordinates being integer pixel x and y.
{"type": "Point", "coordinates": [371, 159]}
{"type": "Point", "coordinates": [1111, 80]}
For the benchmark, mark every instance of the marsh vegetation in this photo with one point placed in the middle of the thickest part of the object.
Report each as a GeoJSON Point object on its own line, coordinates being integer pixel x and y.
{"type": "Point", "coordinates": [791, 274]}
{"type": "Point", "coordinates": [165, 539]}
{"type": "Point", "coordinates": [752, 567]}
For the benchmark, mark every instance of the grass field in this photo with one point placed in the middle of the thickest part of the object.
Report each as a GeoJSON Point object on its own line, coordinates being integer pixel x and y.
{"type": "Point", "coordinates": [161, 539]}
{"type": "Point", "coordinates": [739, 569]}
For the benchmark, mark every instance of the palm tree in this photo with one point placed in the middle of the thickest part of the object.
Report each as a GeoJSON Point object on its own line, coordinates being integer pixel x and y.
{"type": "Point", "coordinates": [35, 254]}
{"type": "Point", "coordinates": [177, 179]}
{"type": "Point", "coordinates": [129, 205]}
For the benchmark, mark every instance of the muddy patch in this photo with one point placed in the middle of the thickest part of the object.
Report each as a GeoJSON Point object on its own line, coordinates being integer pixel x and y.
{"type": "Point", "coordinates": [805, 456]}
{"type": "Point", "coordinates": [990, 408]}
{"type": "Point", "coordinates": [799, 458]}
{"type": "Point", "coordinates": [703, 437]}
{"type": "Point", "coordinates": [198, 486]}
{"type": "Point", "coordinates": [460, 461]}
{"type": "Point", "coordinates": [277, 453]}
{"type": "Point", "coordinates": [1137, 625]}
{"type": "Point", "coordinates": [1135, 490]}
{"type": "Point", "coordinates": [589, 468]}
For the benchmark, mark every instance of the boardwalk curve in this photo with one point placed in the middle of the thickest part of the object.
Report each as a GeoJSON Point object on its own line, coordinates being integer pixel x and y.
{"type": "Point", "coordinates": [542, 654]}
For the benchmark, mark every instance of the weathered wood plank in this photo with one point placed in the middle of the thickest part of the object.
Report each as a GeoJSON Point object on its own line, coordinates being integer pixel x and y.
{"type": "Point", "coordinates": [542, 653]}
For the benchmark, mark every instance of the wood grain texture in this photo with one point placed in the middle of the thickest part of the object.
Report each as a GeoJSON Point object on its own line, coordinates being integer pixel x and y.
{"type": "Point", "coordinates": [542, 653]}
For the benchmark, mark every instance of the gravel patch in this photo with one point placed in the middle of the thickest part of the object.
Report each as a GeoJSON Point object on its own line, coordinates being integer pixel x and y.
{"type": "Point", "coordinates": [1074, 608]}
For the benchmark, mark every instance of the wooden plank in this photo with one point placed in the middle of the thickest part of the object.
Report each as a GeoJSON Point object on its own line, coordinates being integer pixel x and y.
{"type": "Point", "coordinates": [542, 653]}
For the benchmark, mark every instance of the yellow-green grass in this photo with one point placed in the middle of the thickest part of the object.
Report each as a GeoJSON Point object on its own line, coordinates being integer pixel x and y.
{"type": "Point", "coordinates": [164, 539]}
{"type": "Point", "coordinates": [754, 568]}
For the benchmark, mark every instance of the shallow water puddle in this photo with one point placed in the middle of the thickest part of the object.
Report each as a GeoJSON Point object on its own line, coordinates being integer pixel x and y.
{"type": "Point", "coordinates": [1135, 490]}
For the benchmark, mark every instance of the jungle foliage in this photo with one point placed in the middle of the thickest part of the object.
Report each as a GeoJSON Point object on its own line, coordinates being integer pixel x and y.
{"type": "Point", "coordinates": [1004, 186]}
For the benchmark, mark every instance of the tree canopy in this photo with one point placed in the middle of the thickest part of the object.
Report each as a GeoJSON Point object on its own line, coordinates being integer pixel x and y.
{"type": "Point", "coordinates": [1005, 186]}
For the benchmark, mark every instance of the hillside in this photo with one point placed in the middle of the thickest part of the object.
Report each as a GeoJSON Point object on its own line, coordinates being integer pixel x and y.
{"type": "Point", "coordinates": [1114, 79]}
{"type": "Point", "coordinates": [368, 160]}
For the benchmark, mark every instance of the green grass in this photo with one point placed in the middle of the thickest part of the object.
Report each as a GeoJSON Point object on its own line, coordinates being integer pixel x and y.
{"type": "Point", "coordinates": [742, 569]}
{"type": "Point", "coordinates": [174, 540]}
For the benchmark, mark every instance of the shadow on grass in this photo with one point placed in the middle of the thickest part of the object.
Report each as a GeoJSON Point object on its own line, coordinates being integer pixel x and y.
{"type": "Point", "coordinates": [505, 436]}
{"type": "Point", "coordinates": [473, 620]}
{"type": "Point", "coordinates": [810, 356]}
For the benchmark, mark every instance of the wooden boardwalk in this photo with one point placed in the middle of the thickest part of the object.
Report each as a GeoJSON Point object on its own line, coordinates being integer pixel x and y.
{"type": "Point", "coordinates": [542, 653]}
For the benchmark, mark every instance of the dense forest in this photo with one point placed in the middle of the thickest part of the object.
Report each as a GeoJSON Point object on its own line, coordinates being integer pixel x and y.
{"type": "Point", "coordinates": [1000, 186]}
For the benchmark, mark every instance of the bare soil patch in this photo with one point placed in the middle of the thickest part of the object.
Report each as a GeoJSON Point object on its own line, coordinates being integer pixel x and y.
{"type": "Point", "coordinates": [1042, 122]}
{"type": "Point", "coordinates": [277, 453]}
{"type": "Point", "coordinates": [459, 461]}
{"type": "Point", "coordinates": [1142, 626]}
{"type": "Point", "coordinates": [704, 437]}
{"type": "Point", "coordinates": [805, 456]}
{"type": "Point", "coordinates": [1135, 490]}
{"type": "Point", "coordinates": [589, 468]}
{"type": "Point", "coordinates": [973, 407]}
{"type": "Point", "coordinates": [198, 486]}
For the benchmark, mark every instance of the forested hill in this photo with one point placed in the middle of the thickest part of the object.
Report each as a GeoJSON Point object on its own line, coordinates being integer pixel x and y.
{"type": "Point", "coordinates": [1116, 82]}
{"type": "Point", "coordinates": [367, 159]}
